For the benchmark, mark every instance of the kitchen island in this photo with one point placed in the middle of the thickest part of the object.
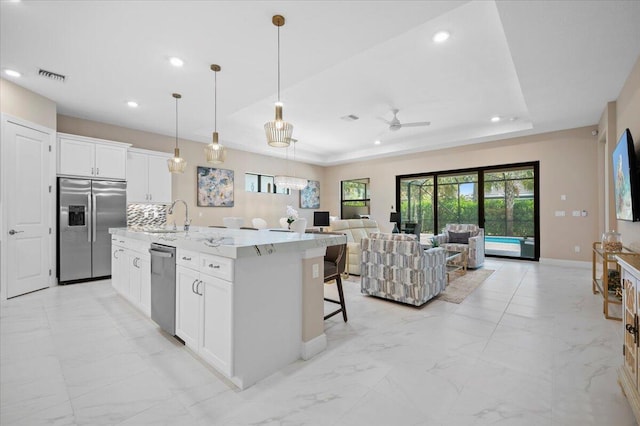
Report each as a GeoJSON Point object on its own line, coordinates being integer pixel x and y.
{"type": "Point", "coordinates": [247, 302]}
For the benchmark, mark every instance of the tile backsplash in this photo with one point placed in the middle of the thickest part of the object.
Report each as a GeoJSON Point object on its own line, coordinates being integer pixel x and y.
{"type": "Point", "coordinates": [146, 215]}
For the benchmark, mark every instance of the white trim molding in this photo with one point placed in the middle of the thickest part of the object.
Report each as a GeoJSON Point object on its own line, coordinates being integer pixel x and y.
{"type": "Point", "coordinates": [566, 263]}
{"type": "Point", "coordinates": [313, 347]}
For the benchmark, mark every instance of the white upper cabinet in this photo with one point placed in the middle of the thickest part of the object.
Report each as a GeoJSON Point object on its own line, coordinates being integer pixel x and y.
{"type": "Point", "coordinates": [149, 180]}
{"type": "Point", "coordinates": [89, 157]}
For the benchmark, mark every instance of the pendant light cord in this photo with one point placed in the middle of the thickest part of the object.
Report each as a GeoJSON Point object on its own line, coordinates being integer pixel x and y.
{"type": "Point", "coordinates": [215, 101]}
{"type": "Point", "coordinates": [278, 64]}
{"type": "Point", "coordinates": [176, 122]}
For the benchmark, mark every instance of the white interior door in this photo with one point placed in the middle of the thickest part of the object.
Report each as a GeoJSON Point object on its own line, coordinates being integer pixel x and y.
{"type": "Point", "coordinates": [28, 206]}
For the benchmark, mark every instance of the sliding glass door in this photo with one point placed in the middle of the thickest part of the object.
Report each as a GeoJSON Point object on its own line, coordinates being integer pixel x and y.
{"type": "Point", "coordinates": [509, 212]}
{"type": "Point", "coordinates": [457, 199]}
{"type": "Point", "coordinates": [501, 199]}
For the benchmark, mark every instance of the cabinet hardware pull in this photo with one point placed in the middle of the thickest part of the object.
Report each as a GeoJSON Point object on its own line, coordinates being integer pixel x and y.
{"type": "Point", "coordinates": [211, 265]}
{"type": "Point", "coordinates": [197, 287]}
{"type": "Point", "coordinates": [92, 173]}
{"type": "Point", "coordinates": [97, 170]}
{"type": "Point", "coordinates": [192, 286]}
{"type": "Point", "coordinates": [150, 197]}
{"type": "Point", "coordinates": [186, 258]}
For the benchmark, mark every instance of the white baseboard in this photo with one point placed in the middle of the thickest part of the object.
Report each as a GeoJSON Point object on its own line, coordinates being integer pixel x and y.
{"type": "Point", "coordinates": [566, 263]}
{"type": "Point", "coordinates": [313, 347]}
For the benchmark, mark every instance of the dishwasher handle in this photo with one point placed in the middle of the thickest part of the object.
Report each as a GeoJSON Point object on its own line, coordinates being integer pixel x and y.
{"type": "Point", "coordinates": [160, 253]}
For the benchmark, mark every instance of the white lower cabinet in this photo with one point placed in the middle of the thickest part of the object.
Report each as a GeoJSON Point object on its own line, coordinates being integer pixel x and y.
{"type": "Point", "coordinates": [131, 272]}
{"type": "Point", "coordinates": [187, 307]}
{"type": "Point", "coordinates": [215, 334]}
{"type": "Point", "coordinates": [203, 310]}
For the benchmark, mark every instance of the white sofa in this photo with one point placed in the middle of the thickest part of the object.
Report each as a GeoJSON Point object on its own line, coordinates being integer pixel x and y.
{"type": "Point", "coordinates": [355, 230]}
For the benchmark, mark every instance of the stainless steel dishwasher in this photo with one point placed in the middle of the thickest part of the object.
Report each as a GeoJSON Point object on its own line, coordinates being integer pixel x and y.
{"type": "Point", "coordinates": [163, 287]}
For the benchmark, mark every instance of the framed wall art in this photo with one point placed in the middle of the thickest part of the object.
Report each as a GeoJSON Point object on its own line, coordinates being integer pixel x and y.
{"type": "Point", "coordinates": [215, 187]}
{"type": "Point", "coordinates": [310, 195]}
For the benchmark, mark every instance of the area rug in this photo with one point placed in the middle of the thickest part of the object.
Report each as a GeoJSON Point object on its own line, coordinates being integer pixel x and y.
{"type": "Point", "coordinates": [460, 286]}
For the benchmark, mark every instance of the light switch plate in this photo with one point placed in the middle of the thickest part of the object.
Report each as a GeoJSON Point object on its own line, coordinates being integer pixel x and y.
{"type": "Point", "coordinates": [315, 270]}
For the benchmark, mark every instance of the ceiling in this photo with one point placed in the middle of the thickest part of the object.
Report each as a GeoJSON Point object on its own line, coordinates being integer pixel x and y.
{"type": "Point", "coordinates": [538, 65]}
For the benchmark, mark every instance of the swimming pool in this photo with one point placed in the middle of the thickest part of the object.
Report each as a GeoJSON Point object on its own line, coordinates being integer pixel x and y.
{"type": "Point", "coordinates": [507, 240]}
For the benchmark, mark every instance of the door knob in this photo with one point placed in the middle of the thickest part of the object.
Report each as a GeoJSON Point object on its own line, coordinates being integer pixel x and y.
{"type": "Point", "coordinates": [13, 232]}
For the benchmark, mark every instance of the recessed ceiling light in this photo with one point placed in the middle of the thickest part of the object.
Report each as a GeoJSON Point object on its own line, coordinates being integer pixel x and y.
{"type": "Point", "coordinates": [12, 73]}
{"type": "Point", "coordinates": [441, 36]}
{"type": "Point", "coordinates": [495, 119]}
{"type": "Point", "coordinates": [377, 143]}
{"type": "Point", "coordinates": [176, 62]}
{"type": "Point", "coordinates": [132, 104]}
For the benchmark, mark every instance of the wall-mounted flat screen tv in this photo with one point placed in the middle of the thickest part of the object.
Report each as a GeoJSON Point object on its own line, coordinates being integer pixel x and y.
{"type": "Point", "coordinates": [625, 179]}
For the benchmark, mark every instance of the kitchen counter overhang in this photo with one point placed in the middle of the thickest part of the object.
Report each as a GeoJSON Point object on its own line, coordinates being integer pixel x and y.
{"type": "Point", "coordinates": [234, 243]}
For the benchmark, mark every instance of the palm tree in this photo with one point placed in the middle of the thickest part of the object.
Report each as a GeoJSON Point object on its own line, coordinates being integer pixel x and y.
{"type": "Point", "coordinates": [512, 183]}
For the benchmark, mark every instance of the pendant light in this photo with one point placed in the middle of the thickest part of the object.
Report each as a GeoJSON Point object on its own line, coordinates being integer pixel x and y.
{"type": "Point", "coordinates": [278, 131]}
{"type": "Point", "coordinates": [176, 164]}
{"type": "Point", "coordinates": [215, 152]}
{"type": "Point", "coordinates": [290, 182]}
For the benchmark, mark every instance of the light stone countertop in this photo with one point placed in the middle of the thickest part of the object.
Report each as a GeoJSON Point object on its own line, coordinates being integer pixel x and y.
{"type": "Point", "coordinates": [233, 243]}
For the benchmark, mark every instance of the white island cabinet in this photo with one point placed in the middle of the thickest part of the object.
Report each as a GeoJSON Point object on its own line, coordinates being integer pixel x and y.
{"type": "Point", "coordinates": [203, 306]}
{"type": "Point", "coordinates": [131, 271]}
{"type": "Point", "coordinates": [247, 302]}
{"type": "Point", "coordinates": [90, 157]}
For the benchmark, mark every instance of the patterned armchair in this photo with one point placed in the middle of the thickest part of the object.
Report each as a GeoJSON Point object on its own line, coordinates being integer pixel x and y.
{"type": "Point", "coordinates": [396, 267]}
{"type": "Point", "coordinates": [464, 237]}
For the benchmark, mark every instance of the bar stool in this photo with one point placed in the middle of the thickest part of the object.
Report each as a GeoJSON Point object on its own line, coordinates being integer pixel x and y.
{"type": "Point", "coordinates": [334, 265]}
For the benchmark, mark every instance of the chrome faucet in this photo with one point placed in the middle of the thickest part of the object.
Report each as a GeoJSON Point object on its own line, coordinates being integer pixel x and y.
{"type": "Point", "coordinates": [187, 221]}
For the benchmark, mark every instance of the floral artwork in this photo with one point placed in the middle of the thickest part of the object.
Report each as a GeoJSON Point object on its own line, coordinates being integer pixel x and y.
{"type": "Point", "coordinates": [215, 187]}
{"type": "Point", "coordinates": [310, 195]}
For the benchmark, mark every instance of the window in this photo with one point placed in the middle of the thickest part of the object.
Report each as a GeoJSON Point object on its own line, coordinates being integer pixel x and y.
{"type": "Point", "coordinates": [355, 198]}
{"type": "Point", "coordinates": [254, 182]}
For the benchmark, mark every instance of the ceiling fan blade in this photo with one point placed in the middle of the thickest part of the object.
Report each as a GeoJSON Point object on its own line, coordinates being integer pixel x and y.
{"type": "Point", "coordinates": [417, 124]}
{"type": "Point", "coordinates": [384, 119]}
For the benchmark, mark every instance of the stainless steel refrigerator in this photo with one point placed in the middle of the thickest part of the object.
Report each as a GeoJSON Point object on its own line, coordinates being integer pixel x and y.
{"type": "Point", "coordinates": [86, 210]}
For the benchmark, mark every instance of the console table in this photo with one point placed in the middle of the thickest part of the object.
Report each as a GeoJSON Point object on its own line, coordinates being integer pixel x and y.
{"type": "Point", "coordinates": [607, 261]}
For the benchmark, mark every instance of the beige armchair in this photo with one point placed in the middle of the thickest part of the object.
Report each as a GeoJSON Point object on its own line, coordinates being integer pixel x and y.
{"type": "Point", "coordinates": [464, 237]}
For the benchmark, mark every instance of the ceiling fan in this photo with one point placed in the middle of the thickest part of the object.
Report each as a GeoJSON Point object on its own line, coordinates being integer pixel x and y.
{"type": "Point", "coordinates": [395, 124]}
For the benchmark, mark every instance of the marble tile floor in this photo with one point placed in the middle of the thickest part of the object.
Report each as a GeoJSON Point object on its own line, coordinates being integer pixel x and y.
{"type": "Point", "coordinates": [529, 347]}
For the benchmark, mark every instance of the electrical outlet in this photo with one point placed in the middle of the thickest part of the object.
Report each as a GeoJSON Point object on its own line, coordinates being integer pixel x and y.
{"type": "Point", "coordinates": [575, 213]}
{"type": "Point", "coordinates": [576, 249]}
{"type": "Point", "coordinates": [559, 213]}
{"type": "Point", "coordinates": [315, 270]}
{"type": "Point", "coordinates": [563, 197]}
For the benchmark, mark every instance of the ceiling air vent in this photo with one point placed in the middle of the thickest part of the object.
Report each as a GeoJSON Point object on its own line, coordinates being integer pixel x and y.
{"type": "Point", "coordinates": [350, 117]}
{"type": "Point", "coordinates": [51, 75]}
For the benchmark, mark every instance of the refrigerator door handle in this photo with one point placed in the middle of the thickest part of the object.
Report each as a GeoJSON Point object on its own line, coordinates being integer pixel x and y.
{"type": "Point", "coordinates": [89, 218]}
{"type": "Point", "coordinates": [94, 212]}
